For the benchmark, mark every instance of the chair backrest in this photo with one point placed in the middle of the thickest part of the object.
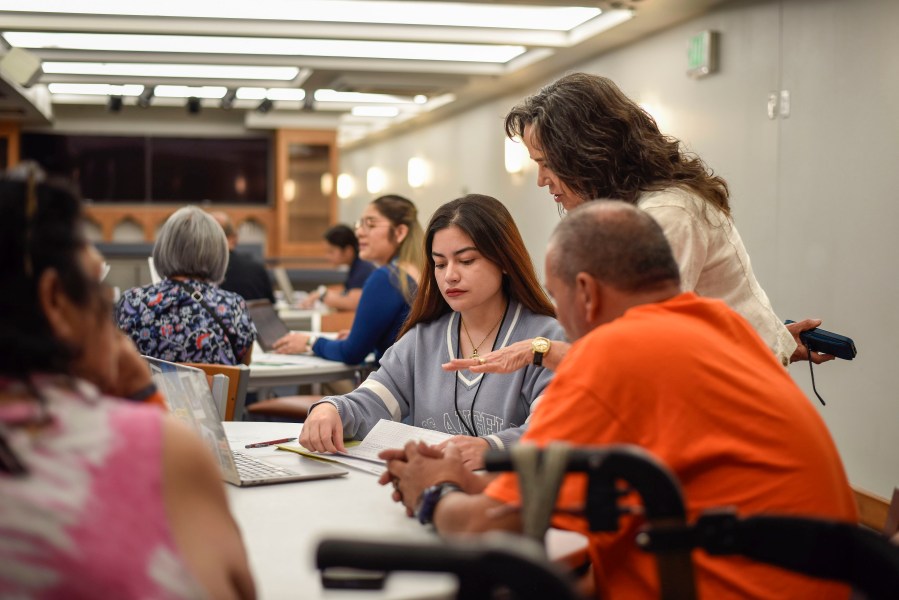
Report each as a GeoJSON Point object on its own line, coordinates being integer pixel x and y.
{"type": "Point", "coordinates": [238, 378]}
{"type": "Point", "coordinates": [819, 548]}
{"type": "Point", "coordinates": [500, 561]}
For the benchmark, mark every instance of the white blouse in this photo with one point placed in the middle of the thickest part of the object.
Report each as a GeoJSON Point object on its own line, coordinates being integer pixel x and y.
{"type": "Point", "coordinates": [713, 261]}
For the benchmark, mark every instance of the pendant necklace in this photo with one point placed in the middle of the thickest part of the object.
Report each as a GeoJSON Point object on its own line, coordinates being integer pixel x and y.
{"type": "Point", "coordinates": [474, 353]}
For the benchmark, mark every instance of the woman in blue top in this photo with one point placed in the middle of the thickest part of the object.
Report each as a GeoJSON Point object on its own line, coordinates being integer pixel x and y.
{"type": "Point", "coordinates": [389, 235]}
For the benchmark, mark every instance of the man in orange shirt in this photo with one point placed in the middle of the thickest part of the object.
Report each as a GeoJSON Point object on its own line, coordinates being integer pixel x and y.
{"type": "Point", "coordinates": [684, 377]}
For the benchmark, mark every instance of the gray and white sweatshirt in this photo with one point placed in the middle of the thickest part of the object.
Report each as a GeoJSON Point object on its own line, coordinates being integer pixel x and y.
{"type": "Point", "coordinates": [410, 383]}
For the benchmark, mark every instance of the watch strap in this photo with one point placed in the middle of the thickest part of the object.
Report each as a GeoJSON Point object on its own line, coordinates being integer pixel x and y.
{"type": "Point", "coordinates": [429, 499]}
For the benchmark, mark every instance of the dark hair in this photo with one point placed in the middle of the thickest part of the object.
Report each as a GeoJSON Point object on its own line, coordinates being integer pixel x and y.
{"type": "Point", "coordinates": [490, 226]}
{"type": "Point", "coordinates": [342, 236]}
{"type": "Point", "coordinates": [615, 243]}
{"type": "Point", "coordinates": [603, 145]}
{"type": "Point", "coordinates": [50, 238]}
{"type": "Point", "coordinates": [401, 211]}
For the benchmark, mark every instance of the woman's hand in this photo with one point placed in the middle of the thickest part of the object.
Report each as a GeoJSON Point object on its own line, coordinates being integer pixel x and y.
{"type": "Point", "coordinates": [471, 450]}
{"type": "Point", "coordinates": [292, 343]}
{"type": "Point", "coordinates": [133, 371]}
{"type": "Point", "coordinates": [511, 358]}
{"type": "Point", "coordinates": [323, 430]}
{"type": "Point", "coordinates": [801, 352]}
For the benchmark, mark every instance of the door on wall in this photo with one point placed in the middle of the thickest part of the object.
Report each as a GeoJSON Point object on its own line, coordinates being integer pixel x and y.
{"type": "Point", "coordinates": [305, 198]}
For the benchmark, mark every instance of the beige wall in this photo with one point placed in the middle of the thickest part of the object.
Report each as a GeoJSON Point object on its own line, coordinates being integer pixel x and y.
{"type": "Point", "coordinates": [814, 194]}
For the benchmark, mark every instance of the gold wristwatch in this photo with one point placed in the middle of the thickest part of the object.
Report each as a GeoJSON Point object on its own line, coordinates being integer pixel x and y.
{"type": "Point", "coordinates": [540, 346]}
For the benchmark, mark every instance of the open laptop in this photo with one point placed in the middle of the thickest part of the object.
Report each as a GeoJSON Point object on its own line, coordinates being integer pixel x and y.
{"type": "Point", "coordinates": [283, 281]}
{"type": "Point", "coordinates": [190, 400]}
{"type": "Point", "coordinates": [269, 326]}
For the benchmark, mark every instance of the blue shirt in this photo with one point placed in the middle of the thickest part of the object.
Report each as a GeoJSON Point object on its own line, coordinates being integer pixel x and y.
{"type": "Point", "coordinates": [360, 270]}
{"type": "Point", "coordinates": [165, 322]}
{"type": "Point", "coordinates": [379, 317]}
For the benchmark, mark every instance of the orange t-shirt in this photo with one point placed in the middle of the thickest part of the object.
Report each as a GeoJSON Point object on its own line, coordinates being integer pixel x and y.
{"type": "Point", "coordinates": [690, 381]}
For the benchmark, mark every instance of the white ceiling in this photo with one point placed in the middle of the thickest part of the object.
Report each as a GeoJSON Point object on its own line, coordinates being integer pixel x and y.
{"type": "Point", "coordinates": [200, 33]}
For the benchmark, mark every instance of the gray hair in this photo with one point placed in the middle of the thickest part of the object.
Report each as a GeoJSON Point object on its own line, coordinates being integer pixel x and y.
{"type": "Point", "coordinates": [191, 244]}
{"type": "Point", "coordinates": [616, 243]}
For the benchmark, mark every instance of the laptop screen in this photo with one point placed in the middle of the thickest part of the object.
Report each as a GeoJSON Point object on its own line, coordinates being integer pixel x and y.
{"type": "Point", "coordinates": [190, 401]}
{"type": "Point", "coordinates": [269, 326]}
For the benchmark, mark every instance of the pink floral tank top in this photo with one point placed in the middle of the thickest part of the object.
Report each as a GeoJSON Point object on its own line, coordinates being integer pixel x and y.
{"type": "Point", "coordinates": [88, 520]}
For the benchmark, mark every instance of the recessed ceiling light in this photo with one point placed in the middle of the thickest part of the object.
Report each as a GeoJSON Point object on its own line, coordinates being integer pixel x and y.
{"type": "Point", "coordinates": [258, 93]}
{"type": "Point", "coordinates": [170, 70]}
{"type": "Point", "coordinates": [183, 91]}
{"type": "Point", "coordinates": [326, 95]}
{"type": "Point", "coordinates": [483, 53]}
{"type": "Point", "coordinates": [375, 111]}
{"type": "Point", "coordinates": [446, 14]}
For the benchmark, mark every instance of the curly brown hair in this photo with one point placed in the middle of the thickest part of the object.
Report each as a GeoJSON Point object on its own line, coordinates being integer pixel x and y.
{"type": "Point", "coordinates": [601, 144]}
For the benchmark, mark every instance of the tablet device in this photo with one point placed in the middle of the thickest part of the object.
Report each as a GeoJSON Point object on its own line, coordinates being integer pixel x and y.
{"type": "Point", "coordinates": [269, 326]}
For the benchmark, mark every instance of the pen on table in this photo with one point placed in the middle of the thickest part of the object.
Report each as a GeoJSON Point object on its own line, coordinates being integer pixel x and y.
{"type": "Point", "coordinates": [271, 443]}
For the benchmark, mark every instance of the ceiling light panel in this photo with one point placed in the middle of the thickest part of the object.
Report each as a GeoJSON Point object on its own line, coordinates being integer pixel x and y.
{"type": "Point", "coordinates": [112, 42]}
{"type": "Point", "coordinates": [255, 93]}
{"type": "Point", "coordinates": [183, 91]}
{"type": "Point", "coordinates": [95, 89]}
{"type": "Point", "coordinates": [170, 70]}
{"type": "Point", "coordinates": [446, 14]}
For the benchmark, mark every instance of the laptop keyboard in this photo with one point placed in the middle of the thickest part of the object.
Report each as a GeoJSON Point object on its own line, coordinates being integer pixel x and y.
{"type": "Point", "coordinates": [251, 469]}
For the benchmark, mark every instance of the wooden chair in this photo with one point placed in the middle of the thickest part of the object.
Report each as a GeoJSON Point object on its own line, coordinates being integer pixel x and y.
{"type": "Point", "coordinates": [337, 321]}
{"type": "Point", "coordinates": [294, 408]}
{"type": "Point", "coordinates": [236, 396]}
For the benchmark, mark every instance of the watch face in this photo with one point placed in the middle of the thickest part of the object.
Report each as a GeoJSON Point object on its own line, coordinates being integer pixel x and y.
{"type": "Point", "coordinates": [540, 345]}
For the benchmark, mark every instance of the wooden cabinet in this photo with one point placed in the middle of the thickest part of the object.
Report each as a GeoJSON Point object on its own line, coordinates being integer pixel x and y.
{"type": "Point", "coordinates": [305, 195]}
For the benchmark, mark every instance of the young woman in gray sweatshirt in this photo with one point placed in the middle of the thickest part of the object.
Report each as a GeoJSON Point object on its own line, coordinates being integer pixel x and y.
{"type": "Point", "coordinates": [478, 293]}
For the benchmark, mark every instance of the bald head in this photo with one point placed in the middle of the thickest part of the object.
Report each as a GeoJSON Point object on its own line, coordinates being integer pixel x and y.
{"type": "Point", "coordinates": [617, 244]}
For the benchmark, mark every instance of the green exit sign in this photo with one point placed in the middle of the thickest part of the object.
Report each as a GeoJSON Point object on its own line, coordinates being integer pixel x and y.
{"type": "Point", "coordinates": [702, 54]}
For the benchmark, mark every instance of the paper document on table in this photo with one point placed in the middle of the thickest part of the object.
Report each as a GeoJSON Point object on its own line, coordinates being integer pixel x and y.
{"type": "Point", "coordinates": [272, 358]}
{"type": "Point", "coordinates": [391, 434]}
{"type": "Point", "coordinates": [364, 456]}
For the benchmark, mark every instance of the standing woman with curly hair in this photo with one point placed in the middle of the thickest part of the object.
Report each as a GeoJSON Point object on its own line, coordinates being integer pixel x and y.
{"type": "Point", "coordinates": [592, 142]}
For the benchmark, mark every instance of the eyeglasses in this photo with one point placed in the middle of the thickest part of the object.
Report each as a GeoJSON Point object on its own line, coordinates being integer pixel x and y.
{"type": "Point", "coordinates": [369, 223]}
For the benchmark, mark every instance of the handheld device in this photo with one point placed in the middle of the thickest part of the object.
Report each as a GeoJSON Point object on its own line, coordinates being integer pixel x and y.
{"type": "Point", "coordinates": [821, 340]}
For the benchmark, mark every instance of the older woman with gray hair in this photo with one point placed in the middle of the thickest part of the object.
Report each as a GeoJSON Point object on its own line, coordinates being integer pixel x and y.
{"type": "Point", "coordinates": [186, 317]}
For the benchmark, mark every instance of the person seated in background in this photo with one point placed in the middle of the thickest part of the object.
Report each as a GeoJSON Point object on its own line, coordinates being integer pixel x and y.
{"type": "Point", "coordinates": [100, 496]}
{"type": "Point", "coordinates": [186, 317]}
{"type": "Point", "coordinates": [480, 293]}
{"type": "Point", "coordinates": [646, 367]}
{"type": "Point", "coordinates": [245, 276]}
{"type": "Point", "coordinates": [343, 250]}
{"type": "Point", "coordinates": [390, 236]}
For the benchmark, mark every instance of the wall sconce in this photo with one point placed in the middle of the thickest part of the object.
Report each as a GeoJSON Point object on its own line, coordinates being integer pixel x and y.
{"type": "Point", "coordinates": [345, 186]}
{"type": "Point", "coordinates": [114, 104]}
{"type": "Point", "coordinates": [327, 184]}
{"type": "Point", "coordinates": [193, 105]}
{"type": "Point", "coordinates": [418, 172]}
{"type": "Point", "coordinates": [290, 190]}
{"type": "Point", "coordinates": [516, 156]}
{"type": "Point", "coordinates": [375, 180]}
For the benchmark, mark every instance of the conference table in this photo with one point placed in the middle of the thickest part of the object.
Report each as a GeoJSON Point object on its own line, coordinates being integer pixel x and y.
{"type": "Point", "coordinates": [282, 525]}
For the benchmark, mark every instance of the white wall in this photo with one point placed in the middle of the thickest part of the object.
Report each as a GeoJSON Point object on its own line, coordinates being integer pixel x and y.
{"type": "Point", "coordinates": [815, 195]}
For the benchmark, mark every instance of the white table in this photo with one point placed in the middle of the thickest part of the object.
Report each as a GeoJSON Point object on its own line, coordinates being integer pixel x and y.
{"type": "Point", "coordinates": [283, 523]}
{"type": "Point", "coordinates": [268, 370]}
{"type": "Point", "coordinates": [303, 318]}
